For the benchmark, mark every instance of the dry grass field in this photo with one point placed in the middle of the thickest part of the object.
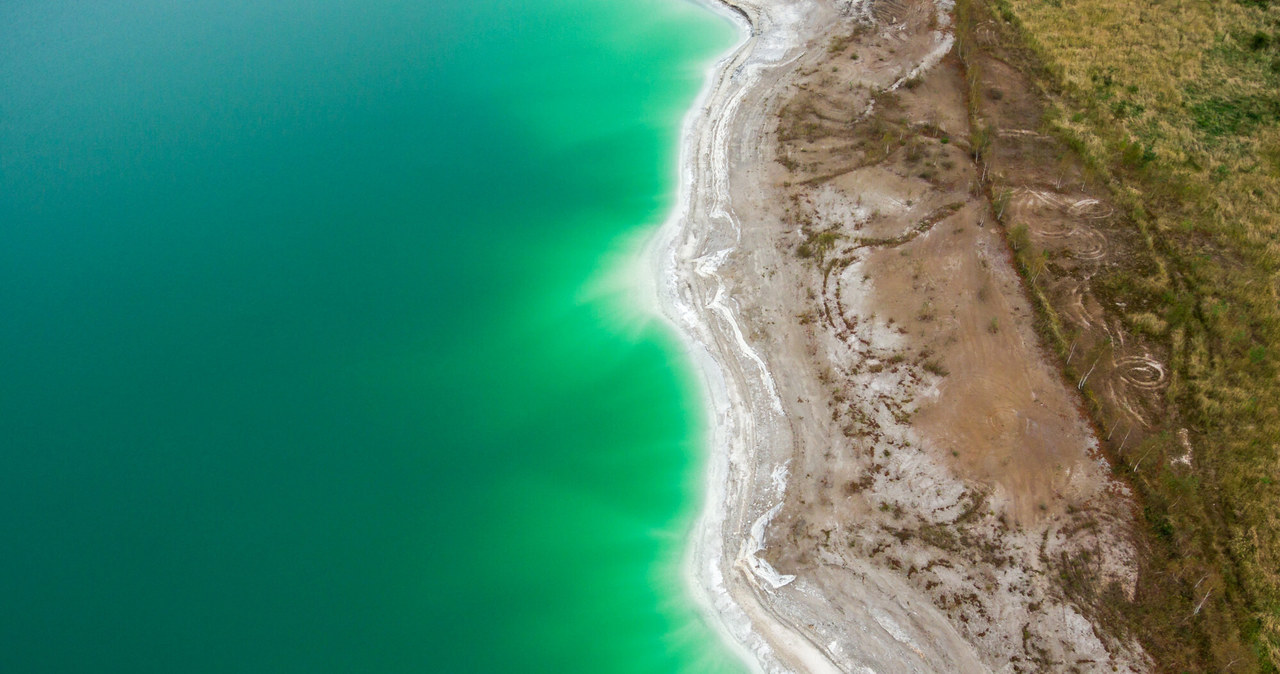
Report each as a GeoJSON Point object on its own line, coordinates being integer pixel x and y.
{"type": "Point", "coordinates": [1157, 129]}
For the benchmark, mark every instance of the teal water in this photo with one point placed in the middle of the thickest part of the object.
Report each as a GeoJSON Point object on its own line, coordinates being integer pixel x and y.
{"type": "Point", "coordinates": [305, 365]}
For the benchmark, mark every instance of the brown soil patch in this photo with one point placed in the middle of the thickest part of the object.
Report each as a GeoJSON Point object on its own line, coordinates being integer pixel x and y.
{"type": "Point", "coordinates": [937, 439]}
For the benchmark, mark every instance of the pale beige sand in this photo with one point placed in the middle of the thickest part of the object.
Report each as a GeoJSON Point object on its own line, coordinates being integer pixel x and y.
{"type": "Point", "coordinates": [864, 512]}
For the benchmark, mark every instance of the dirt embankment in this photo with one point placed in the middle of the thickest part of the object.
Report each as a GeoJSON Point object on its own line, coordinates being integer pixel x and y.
{"type": "Point", "coordinates": [1115, 300]}
{"type": "Point", "coordinates": [945, 502]}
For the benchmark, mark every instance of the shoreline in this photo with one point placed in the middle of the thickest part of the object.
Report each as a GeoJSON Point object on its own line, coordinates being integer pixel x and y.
{"type": "Point", "coordinates": [920, 473]}
{"type": "Point", "coordinates": [685, 271]}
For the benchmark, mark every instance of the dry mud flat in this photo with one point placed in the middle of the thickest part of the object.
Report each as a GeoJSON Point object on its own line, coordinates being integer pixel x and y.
{"type": "Point", "coordinates": [902, 482]}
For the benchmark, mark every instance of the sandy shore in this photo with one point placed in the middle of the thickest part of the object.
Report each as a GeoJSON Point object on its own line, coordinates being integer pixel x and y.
{"type": "Point", "coordinates": [746, 467]}
{"type": "Point", "coordinates": [896, 475]}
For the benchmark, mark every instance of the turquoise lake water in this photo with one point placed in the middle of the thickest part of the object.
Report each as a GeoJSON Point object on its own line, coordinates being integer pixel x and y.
{"type": "Point", "coordinates": [306, 364]}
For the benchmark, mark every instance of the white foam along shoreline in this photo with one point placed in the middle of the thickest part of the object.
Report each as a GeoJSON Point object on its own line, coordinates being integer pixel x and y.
{"type": "Point", "coordinates": [740, 495]}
